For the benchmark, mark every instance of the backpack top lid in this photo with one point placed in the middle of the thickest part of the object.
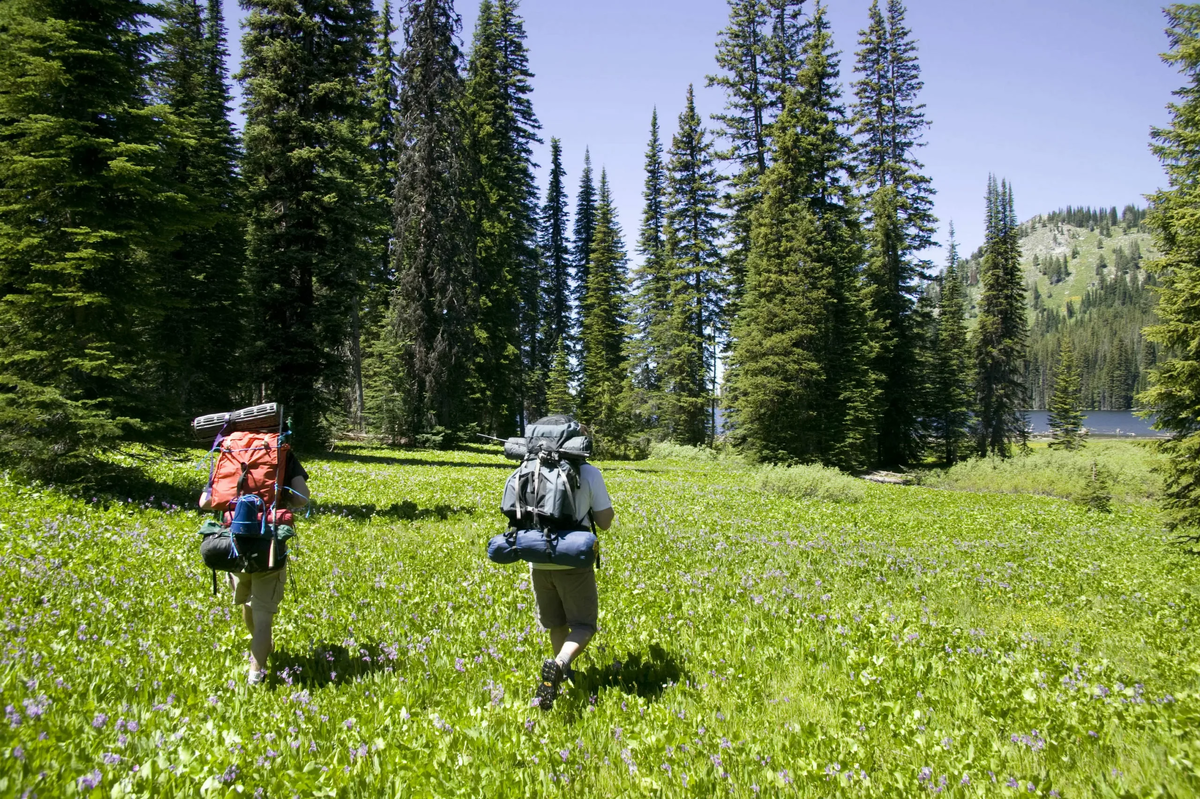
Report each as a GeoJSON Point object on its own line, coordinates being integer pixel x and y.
{"type": "Point", "coordinates": [560, 434]}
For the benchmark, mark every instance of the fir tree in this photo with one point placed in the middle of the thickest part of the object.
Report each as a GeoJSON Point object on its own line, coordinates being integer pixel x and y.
{"type": "Point", "coordinates": [431, 318]}
{"type": "Point", "coordinates": [304, 74]}
{"type": "Point", "coordinates": [556, 260]}
{"type": "Point", "coordinates": [1066, 420]}
{"type": "Point", "coordinates": [951, 390]}
{"type": "Point", "coordinates": [651, 295]}
{"type": "Point", "coordinates": [741, 57]}
{"type": "Point", "coordinates": [86, 209]}
{"type": "Point", "coordinates": [370, 306]}
{"type": "Point", "coordinates": [696, 285]}
{"type": "Point", "coordinates": [605, 319]}
{"type": "Point", "coordinates": [799, 380]}
{"type": "Point", "coordinates": [201, 277]}
{"type": "Point", "coordinates": [889, 123]}
{"type": "Point", "coordinates": [558, 384]}
{"type": "Point", "coordinates": [583, 233]}
{"type": "Point", "coordinates": [503, 128]}
{"type": "Point", "coordinates": [1174, 392]}
{"type": "Point", "coordinates": [782, 50]}
{"type": "Point", "coordinates": [1001, 332]}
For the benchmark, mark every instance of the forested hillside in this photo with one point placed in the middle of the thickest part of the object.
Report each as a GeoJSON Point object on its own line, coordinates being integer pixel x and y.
{"type": "Point", "coordinates": [1086, 278]}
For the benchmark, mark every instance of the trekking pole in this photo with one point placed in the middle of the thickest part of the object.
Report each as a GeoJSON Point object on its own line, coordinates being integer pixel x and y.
{"type": "Point", "coordinates": [279, 466]}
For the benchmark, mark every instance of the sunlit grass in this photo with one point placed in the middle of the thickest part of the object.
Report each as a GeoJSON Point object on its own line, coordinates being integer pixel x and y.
{"type": "Point", "coordinates": [910, 641]}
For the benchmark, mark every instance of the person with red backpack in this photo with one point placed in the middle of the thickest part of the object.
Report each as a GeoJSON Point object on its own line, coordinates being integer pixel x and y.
{"type": "Point", "coordinates": [255, 483]}
{"type": "Point", "coordinates": [259, 593]}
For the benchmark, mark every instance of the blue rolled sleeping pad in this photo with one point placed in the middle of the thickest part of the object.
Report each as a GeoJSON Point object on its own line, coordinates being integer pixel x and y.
{"type": "Point", "coordinates": [575, 548]}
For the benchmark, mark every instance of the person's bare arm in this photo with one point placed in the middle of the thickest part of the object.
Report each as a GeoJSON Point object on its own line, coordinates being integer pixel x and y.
{"type": "Point", "coordinates": [603, 518]}
{"type": "Point", "coordinates": [298, 496]}
{"type": "Point", "coordinates": [206, 499]}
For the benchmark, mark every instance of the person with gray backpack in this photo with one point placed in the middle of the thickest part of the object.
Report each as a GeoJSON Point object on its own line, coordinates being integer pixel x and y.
{"type": "Point", "coordinates": [551, 500]}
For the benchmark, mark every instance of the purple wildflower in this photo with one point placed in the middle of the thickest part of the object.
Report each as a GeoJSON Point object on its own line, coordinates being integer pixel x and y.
{"type": "Point", "coordinates": [89, 781]}
{"type": "Point", "coordinates": [99, 721]}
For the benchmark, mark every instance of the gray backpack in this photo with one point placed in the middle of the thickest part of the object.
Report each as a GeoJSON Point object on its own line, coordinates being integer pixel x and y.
{"type": "Point", "coordinates": [540, 494]}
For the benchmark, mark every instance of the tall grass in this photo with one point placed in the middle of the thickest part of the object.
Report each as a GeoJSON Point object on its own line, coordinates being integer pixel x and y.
{"type": "Point", "coordinates": [1129, 465]}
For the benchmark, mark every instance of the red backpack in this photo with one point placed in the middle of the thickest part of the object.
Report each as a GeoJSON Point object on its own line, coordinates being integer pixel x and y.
{"type": "Point", "coordinates": [249, 463]}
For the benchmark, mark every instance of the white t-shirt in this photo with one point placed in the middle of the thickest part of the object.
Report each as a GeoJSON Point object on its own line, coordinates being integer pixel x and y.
{"type": "Point", "coordinates": [592, 495]}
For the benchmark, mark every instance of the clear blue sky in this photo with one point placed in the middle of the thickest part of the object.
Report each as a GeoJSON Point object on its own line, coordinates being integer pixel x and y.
{"type": "Point", "coordinates": [1057, 96]}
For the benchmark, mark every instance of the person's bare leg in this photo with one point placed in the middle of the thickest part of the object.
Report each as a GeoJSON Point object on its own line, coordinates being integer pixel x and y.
{"type": "Point", "coordinates": [261, 644]}
{"type": "Point", "coordinates": [572, 644]}
{"type": "Point", "coordinates": [558, 637]}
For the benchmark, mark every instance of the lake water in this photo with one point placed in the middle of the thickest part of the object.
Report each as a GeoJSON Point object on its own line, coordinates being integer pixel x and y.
{"type": "Point", "coordinates": [1101, 423]}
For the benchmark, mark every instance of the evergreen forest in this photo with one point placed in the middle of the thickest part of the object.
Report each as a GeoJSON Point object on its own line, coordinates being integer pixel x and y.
{"type": "Point", "coordinates": [372, 249]}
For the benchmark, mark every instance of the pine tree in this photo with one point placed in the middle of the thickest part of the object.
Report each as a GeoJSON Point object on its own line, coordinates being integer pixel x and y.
{"type": "Point", "coordinates": [1001, 332]}
{"type": "Point", "coordinates": [304, 75]}
{"type": "Point", "coordinates": [889, 123]}
{"type": "Point", "coordinates": [1066, 420]}
{"type": "Point", "coordinates": [503, 128]}
{"type": "Point", "coordinates": [605, 319]}
{"type": "Point", "coordinates": [1174, 392]}
{"type": "Point", "coordinates": [429, 332]}
{"type": "Point", "coordinates": [583, 233]}
{"type": "Point", "coordinates": [87, 207]}
{"type": "Point", "coordinates": [201, 278]}
{"type": "Point", "coordinates": [556, 261]}
{"type": "Point", "coordinates": [951, 391]}
{"type": "Point", "coordinates": [799, 381]}
{"type": "Point", "coordinates": [689, 359]}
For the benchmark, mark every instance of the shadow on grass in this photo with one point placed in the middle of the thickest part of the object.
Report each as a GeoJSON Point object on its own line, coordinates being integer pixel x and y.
{"type": "Point", "coordinates": [325, 664]}
{"type": "Point", "coordinates": [390, 460]}
{"type": "Point", "coordinates": [117, 483]}
{"type": "Point", "coordinates": [407, 511]}
{"type": "Point", "coordinates": [646, 677]}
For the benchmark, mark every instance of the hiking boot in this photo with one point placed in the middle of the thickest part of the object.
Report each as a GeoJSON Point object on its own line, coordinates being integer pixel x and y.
{"type": "Point", "coordinates": [256, 678]}
{"type": "Point", "coordinates": [552, 677]}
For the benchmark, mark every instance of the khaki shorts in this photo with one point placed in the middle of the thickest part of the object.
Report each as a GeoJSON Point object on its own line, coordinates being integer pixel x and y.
{"type": "Point", "coordinates": [566, 598]}
{"type": "Point", "coordinates": [262, 591]}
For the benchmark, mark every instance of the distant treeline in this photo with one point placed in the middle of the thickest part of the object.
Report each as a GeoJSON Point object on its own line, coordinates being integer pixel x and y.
{"type": "Point", "coordinates": [1105, 219]}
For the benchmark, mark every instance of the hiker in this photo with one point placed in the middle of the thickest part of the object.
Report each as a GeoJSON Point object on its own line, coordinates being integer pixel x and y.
{"type": "Point", "coordinates": [567, 599]}
{"type": "Point", "coordinates": [259, 593]}
{"type": "Point", "coordinates": [554, 502]}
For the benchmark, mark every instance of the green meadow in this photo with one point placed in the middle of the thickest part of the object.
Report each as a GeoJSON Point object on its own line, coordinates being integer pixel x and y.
{"type": "Point", "coordinates": [764, 632]}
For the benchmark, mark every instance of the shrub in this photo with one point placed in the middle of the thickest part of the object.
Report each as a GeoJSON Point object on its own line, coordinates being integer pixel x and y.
{"type": "Point", "coordinates": [811, 482]}
{"type": "Point", "coordinates": [683, 453]}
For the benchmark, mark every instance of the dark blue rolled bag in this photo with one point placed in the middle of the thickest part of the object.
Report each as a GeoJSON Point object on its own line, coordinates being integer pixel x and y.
{"type": "Point", "coordinates": [575, 548]}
